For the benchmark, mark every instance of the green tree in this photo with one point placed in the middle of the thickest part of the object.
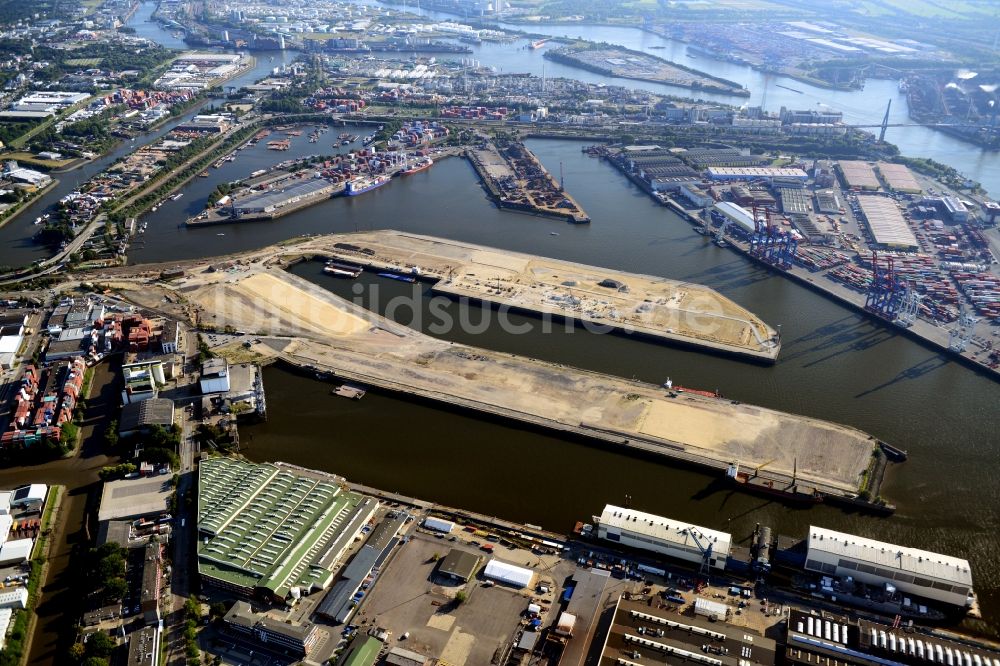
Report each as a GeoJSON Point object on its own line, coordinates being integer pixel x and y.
{"type": "Point", "coordinates": [461, 597]}
{"type": "Point", "coordinates": [100, 645]}
{"type": "Point", "coordinates": [115, 590]}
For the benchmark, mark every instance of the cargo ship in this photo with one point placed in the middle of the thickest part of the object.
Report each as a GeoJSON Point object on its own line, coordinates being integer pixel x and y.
{"type": "Point", "coordinates": [670, 386]}
{"type": "Point", "coordinates": [341, 269]}
{"type": "Point", "coordinates": [418, 166]}
{"type": "Point", "coordinates": [362, 185]}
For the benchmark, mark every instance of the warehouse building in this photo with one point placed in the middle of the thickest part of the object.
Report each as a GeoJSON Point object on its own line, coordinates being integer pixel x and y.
{"type": "Point", "coordinates": [276, 531]}
{"type": "Point", "coordinates": [756, 173]}
{"type": "Point", "coordinates": [138, 417]}
{"type": "Point", "coordinates": [646, 531]}
{"type": "Point", "coordinates": [459, 565]}
{"type": "Point", "coordinates": [858, 175]}
{"type": "Point", "coordinates": [361, 574]}
{"type": "Point", "coordinates": [508, 574]}
{"type": "Point", "coordinates": [640, 634]}
{"type": "Point", "coordinates": [886, 223]}
{"type": "Point", "coordinates": [899, 178]}
{"type": "Point", "coordinates": [270, 203]}
{"type": "Point", "coordinates": [795, 202]}
{"type": "Point", "coordinates": [828, 202]}
{"type": "Point", "coordinates": [737, 215]}
{"type": "Point", "coordinates": [921, 573]}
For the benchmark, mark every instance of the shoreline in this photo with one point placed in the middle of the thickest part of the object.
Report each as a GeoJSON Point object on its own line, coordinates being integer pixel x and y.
{"type": "Point", "coordinates": [734, 90]}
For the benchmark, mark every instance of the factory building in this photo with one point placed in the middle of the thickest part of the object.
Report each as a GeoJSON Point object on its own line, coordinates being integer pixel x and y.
{"type": "Point", "coordinates": [886, 223]}
{"type": "Point", "coordinates": [820, 116]}
{"type": "Point", "coordinates": [274, 531]}
{"type": "Point", "coordinates": [932, 576]}
{"type": "Point", "coordinates": [646, 531]}
{"type": "Point", "coordinates": [291, 638]}
{"type": "Point", "coordinates": [142, 381]}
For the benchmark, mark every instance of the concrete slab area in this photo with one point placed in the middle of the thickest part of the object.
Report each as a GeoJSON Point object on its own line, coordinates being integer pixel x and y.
{"type": "Point", "coordinates": [406, 599]}
{"type": "Point", "coordinates": [295, 320]}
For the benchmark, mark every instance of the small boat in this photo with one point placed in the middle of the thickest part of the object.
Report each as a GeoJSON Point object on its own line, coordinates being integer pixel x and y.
{"type": "Point", "coordinates": [203, 174]}
{"type": "Point", "coordinates": [220, 234]}
{"type": "Point", "coordinates": [396, 276]}
{"type": "Point", "coordinates": [38, 220]}
{"type": "Point", "coordinates": [46, 216]}
{"type": "Point", "coordinates": [177, 196]}
{"type": "Point", "coordinates": [553, 233]}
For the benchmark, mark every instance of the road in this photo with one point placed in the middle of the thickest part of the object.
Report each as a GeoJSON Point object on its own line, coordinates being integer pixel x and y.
{"type": "Point", "coordinates": [183, 556]}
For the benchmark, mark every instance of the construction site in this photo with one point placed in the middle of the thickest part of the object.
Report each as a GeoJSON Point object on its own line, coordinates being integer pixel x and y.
{"type": "Point", "coordinates": [302, 324]}
{"type": "Point", "coordinates": [516, 180]}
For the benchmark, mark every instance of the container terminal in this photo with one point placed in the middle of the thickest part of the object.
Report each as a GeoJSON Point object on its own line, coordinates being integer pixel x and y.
{"type": "Point", "coordinates": [308, 327]}
{"type": "Point", "coordinates": [886, 242]}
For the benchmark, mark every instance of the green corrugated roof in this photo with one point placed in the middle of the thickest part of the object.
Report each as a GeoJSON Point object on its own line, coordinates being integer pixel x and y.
{"type": "Point", "coordinates": [364, 653]}
{"type": "Point", "coordinates": [264, 526]}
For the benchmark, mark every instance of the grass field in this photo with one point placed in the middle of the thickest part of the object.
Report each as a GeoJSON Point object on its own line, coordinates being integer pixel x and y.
{"type": "Point", "coordinates": [83, 62]}
{"type": "Point", "coordinates": [32, 160]}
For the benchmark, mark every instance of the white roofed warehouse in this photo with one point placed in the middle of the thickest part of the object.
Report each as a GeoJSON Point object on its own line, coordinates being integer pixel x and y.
{"type": "Point", "coordinates": [886, 223]}
{"type": "Point", "coordinates": [921, 573]}
{"type": "Point", "coordinates": [508, 574]}
{"type": "Point", "coordinates": [681, 540]}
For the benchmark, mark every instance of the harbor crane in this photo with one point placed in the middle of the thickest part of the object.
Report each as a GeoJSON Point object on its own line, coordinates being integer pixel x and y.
{"type": "Point", "coordinates": [958, 337]}
{"type": "Point", "coordinates": [706, 550]}
{"type": "Point", "coordinates": [885, 292]}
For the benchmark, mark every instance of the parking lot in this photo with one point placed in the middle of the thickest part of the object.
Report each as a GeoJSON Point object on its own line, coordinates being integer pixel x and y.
{"type": "Point", "coordinates": [406, 599]}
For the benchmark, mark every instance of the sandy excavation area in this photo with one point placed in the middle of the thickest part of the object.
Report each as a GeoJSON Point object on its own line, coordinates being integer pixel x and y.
{"type": "Point", "coordinates": [656, 306]}
{"type": "Point", "coordinates": [277, 304]}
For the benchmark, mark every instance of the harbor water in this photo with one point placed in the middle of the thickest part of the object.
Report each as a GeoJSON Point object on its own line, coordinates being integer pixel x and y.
{"type": "Point", "coordinates": [835, 363]}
